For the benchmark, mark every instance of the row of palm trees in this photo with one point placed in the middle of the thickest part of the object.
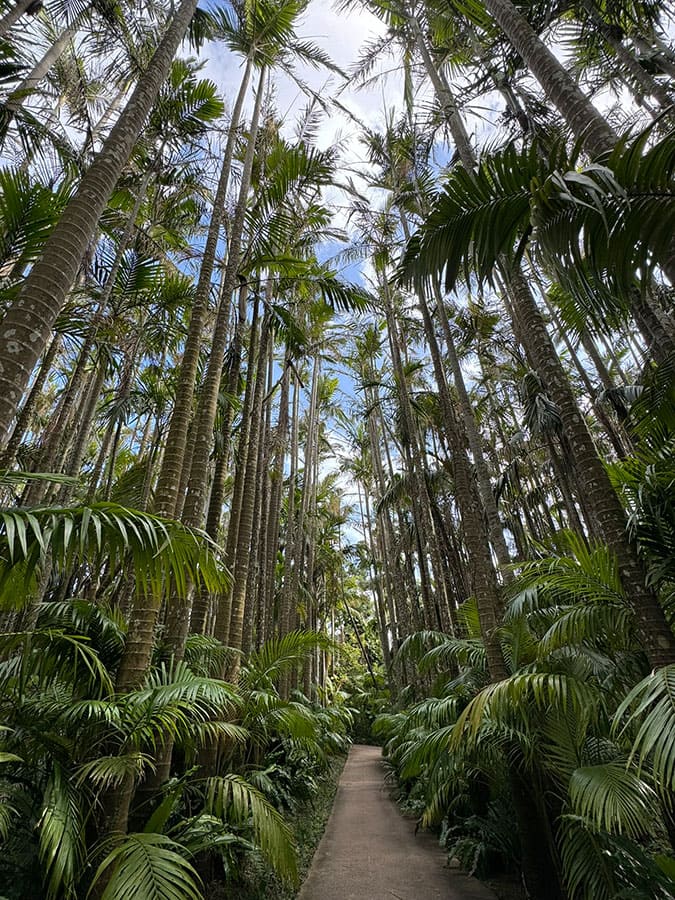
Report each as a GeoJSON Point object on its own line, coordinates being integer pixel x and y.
{"type": "Point", "coordinates": [176, 600]}
{"type": "Point", "coordinates": [501, 430]}
{"type": "Point", "coordinates": [167, 358]}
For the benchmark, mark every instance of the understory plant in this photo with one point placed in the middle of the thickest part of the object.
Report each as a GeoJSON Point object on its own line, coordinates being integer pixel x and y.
{"type": "Point", "coordinates": [587, 724]}
{"type": "Point", "coordinates": [69, 740]}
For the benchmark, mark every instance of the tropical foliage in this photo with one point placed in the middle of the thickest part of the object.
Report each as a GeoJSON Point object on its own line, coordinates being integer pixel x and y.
{"type": "Point", "coordinates": [250, 505]}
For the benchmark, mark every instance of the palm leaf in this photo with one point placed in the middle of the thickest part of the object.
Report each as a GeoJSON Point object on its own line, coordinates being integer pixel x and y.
{"type": "Point", "coordinates": [648, 715]}
{"type": "Point", "coordinates": [61, 833]}
{"type": "Point", "coordinates": [160, 549]}
{"type": "Point", "coordinates": [613, 798]}
{"type": "Point", "coordinates": [234, 800]}
{"type": "Point", "coordinates": [150, 866]}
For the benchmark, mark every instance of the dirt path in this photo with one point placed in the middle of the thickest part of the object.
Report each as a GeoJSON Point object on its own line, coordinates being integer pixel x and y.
{"type": "Point", "coordinates": [370, 852]}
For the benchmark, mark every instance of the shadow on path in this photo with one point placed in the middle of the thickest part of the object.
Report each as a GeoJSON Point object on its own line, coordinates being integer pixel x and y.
{"type": "Point", "coordinates": [370, 852]}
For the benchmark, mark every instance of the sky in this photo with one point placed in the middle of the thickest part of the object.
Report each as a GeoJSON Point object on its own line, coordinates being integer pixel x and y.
{"type": "Point", "coordinates": [341, 35]}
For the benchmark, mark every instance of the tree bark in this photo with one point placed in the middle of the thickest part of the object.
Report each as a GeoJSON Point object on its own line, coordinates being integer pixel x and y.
{"type": "Point", "coordinates": [24, 417]}
{"type": "Point", "coordinates": [246, 519]}
{"type": "Point", "coordinates": [208, 394]}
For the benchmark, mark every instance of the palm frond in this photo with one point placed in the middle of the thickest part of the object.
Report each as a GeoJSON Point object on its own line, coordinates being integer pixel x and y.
{"type": "Point", "coordinates": [148, 865]}
{"type": "Point", "coordinates": [647, 715]}
{"type": "Point", "coordinates": [160, 549]}
{"type": "Point", "coordinates": [234, 800]}
{"type": "Point", "coordinates": [281, 654]}
{"type": "Point", "coordinates": [61, 834]}
{"type": "Point", "coordinates": [613, 798]}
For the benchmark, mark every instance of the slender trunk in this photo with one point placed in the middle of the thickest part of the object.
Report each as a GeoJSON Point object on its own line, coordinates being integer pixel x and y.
{"type": "Point", "coordinates": [208, 395]}
{"type": "Point", "coordinates": [224, 612]}
{"type": "Point", "coordinates": [300, 524]}
{"type": "Point", "coordinates": [657, 50]}
{"type": "Point", "coordinates": [592, 476]}
{"type": "Point", "coordinates": [288, 602]}
{"type": "Point", "coordinates": [97, 472]}
{"type": "Point", "coordinates": [28, 408]}
{"type": "Point", "coordinates": [603, 418]}
{"type": "Point", "coordinates": [381, 607]}
{"type": "Point", "coordinates": [22, 92]}
{"type": "Point", "coordinates": [108, 113]}
{"type": "Point", "coordinates": [174, 454]}
{"type": "Point", "coordinates": [232, 378]}
{"type": "Point", "coordinates": [598, 137]}
{"type": "Point", "coordinates": [578, 111]}
{"type": "Point", "coordinates": [483, 574]}
{"type": "Point", "coordinates": [54, 449]}
{"type": "Point", "coordinates": [475, 442]}
{"type": "Point", "coordinates": [78, 450]}
{"type": "Point", "coordinates": [276, 491]}
{"type": "Point", "coordinates": [246, 518]}
{"type": "Point", "coordinates": [412, 452]}
{"type": "Point", "coordinates": [20, 8]}
{"type": "Point", "coordinates": [628, 63]}
{"type": "Point", "coordinates": [264, 503]}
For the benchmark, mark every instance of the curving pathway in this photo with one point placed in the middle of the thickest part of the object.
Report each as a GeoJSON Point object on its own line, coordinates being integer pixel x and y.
{"type": "Point", "coordinates": [370, 852]}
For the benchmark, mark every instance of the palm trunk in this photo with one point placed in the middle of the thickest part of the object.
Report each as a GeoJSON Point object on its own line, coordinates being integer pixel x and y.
{"type": "Point", "coordinates": [53, 450]}
{"type": "Point", "coordinates": [174, 454]}
{"type": "Point", "coordinates": [655, 49]}
{"type": "Point", "coordinates": [254, 612]}
{"type": "Point", "coordinates": [78, 450]}
{"type": "Point", "coordinates": [381, 606]}
{"type": "Point", "coordinates": [108, 113]}
{"type": "Point", "coordinates": [483, 576]}
{"type": "Point", "coordinates": [28, 323]}
{"type": "Point", "coordinates": [587, 125]}
{"type": "Point", "coordinates": [22, 92]}
{"type": "Point", "coordinates": [246, 519]}
{"type": "Point", "coordinates": [530, 328]}
{"type": "Point", "coordinates": [224, 611]}
{"type": "Point", "coordinates": [97, 472]}
{"type": "Point", "coordinates": [610, 431]}
{"type": "Point", "coordinates": [28, 408]}
{"type": "Point", "coordinates": [19, 9]}
{"type": "Point", "coordinates": [300, 524]}
{"type": "Point", "coordinates": [208, 395]}
{"type": "Point", "coordinates": [592, 476]}
{"type": "Point", "coordinates": [629, 63]}
{"type": "Point", "coordinates": [259, 549]}
{"type": "Point", "coordinates": [288, 602]}
{"type": "Point", "coordinates": [412, 454]}
{"type": "Point", "coordinates": [393, 588]}
{"type": "Point", "coordinates": [578, 111]}
{"type": "Point", "coordinates": [475, 443]}
{"type": "Point", "coordinates": [276, 491]}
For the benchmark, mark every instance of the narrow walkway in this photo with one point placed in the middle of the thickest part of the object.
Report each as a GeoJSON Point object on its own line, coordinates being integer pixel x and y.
{"type": "Point", "coordinates": [370, 852]}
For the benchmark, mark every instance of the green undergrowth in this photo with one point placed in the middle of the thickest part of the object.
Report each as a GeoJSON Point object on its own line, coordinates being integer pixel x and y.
{"type": "Point", "coordinates": [308, 822]}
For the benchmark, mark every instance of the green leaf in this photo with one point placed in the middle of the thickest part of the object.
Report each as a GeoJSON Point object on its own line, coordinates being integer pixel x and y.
{"type": "Point", "coordinates": [613, 798]}
{"type": "Point", "coordinates": [151, 866]}
{"type": "Point", "coordinates": [234, 800]}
